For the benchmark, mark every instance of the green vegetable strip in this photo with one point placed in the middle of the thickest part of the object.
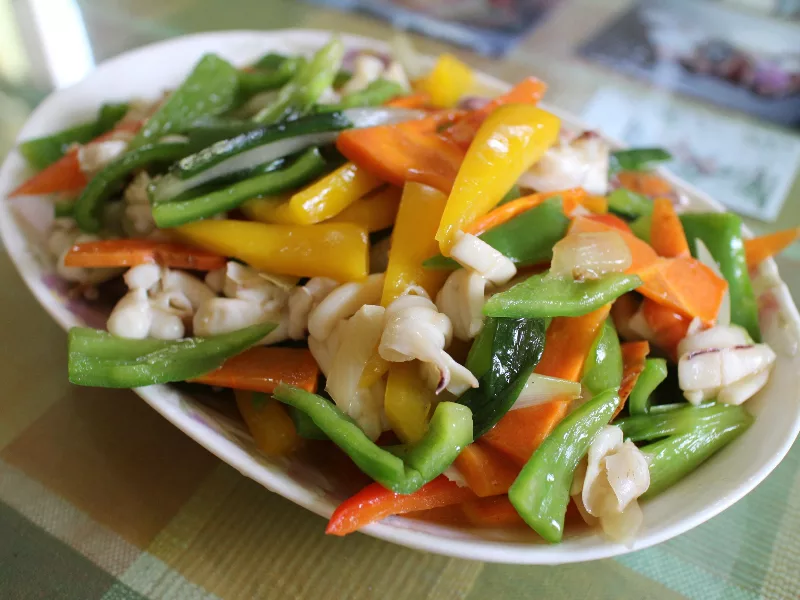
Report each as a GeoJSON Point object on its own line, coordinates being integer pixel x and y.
{"type": "Point", "coordinates": [171, 214]}
{"type": "Point", "coordinates": [209, 90]}
{"type": "Point", "coordinates": [629, 204]}
{"type": "Point", "coordinates": [44, 151]}
{"type": "Point", "coordinates": [527, 239]}
{"type": "Point", "coordinates": [504, 354]}
{"type": "Point", "coordinates": [298, 96]}
{"type": "Point", "coordinates": [450, 429]}
{"type": "Point", "coordinates": [638, 159]}
{"type": "Point", "coordinates": [262, 79]}
{"type": "Point", "coordinates": [546, 296]}
{"type": "Point", "coordinates": [304, 425]}
{"type": "Point", "coordinates": [89, 205]}
{"type": "Point", "coordinates": [99, 359]}
{"type": "Point", "coordinates": [722, 234]}
{"type": "Point", "coordinates": [677, 456]}
{"type": "Point", "coordinates": [655, 371]}
{"type": "Point", "coordinates": [541, 491]}
{"type": "Point", "coordinates": [63, 208]}
{"type": "Point", "coordinates": [376, 93]}
{"type": "Point", "coordinates": [641, 227]}
{"type": "Point", "coordinates": [512, 194]}
{"type": "Point", "coordinates": [680, 421]}
{"type": "Point", "coordinates": [603, 368]}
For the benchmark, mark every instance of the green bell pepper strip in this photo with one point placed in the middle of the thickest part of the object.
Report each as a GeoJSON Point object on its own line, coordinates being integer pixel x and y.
{"type": "Point", "coordinates": [675, 457]}
{"type": "Point", "coordinates": [546, 296]}
{"type": "Point", "coordinates": [527, 239]}
{"type": "Point", "coordinates": [449, 431]}
{"type": "Point", "coordinates": [44, 151]}
{"type": "Point", "coordinates": [89, 205]}
{"type": "Point", "coordinates": [304, 426]}
{"type": "Point", "coordinates": [603, 367]}
{"type": "Point", "coordinates": [172, 214]}
{"type": "Point", "coordinates": [63, 208]}
{"type": "Point", "coordinates": [680, 421]}
{"type": "Point", "coordinates": [298, 96]}
{"type": "Point", "coordinates": [637, 159]}
{"type": "Point", "coordinates": [341, 78]}
{"type": "Point", "coordinates": [262, 78]}
{"type": "Point", "coordinates": [541, 491]}
{"type": "Point", "coordinates": [511, 194]}
{"type": "Point", "coordinates": [210, 90]}
{"type": "Point", "coordinates": [503, 356]}
{"type": "Point", "coordinates": [270, 61]}
{"type": "Point", "coordinates": [629, 204]}
{"type": "Point", "coordinates": [99, 359]}
{"type": "Point", "coordinates": [722, 234]}
{"type": "Point", "coordinates": [655, 371]}
{"type": "Point", "coordinates": [376, 93]}
{"type": "Point", "coordinates": [641, 227]}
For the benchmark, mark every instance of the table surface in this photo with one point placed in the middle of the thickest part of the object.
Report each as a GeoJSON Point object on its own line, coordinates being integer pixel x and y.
{"type": "Point", "coordinates": [100, 497]}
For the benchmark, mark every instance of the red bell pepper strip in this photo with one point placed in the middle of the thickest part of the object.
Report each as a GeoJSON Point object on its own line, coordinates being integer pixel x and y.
{"type": "Point", "coordinates": [132, 252]}
{"type": "Point", "coordinates": [633, 357]}
{"type": "Point", "coordinates": [375, 502]}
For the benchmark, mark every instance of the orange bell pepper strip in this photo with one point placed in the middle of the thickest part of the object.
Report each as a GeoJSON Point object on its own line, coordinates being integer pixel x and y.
{"type": "Point", "coordinates": [496, 511]}
{"type": "Point", "coordinates": [335, 250]}
{"type": "Point", "coordinates": [132, 252]}
{"type": "Point", "coordinates": [568, 342]}
{"type": "Point", "coordinates": [527, 91]}
{"type": "Point", "coordinates": [761, 248]}
{"type": "Point", "coordinates": [263, 368]}
{"type": "Point", "coordinates": [270, 425]}
{"type": "Point", "coordinates": [374, 212]}
{"type": "Point", "coordinates": [415, 100]}
{"type": "Point", "coordinates": [520, 432]}
{"type": "Point", "coordinates": [646, 183]}
{"type": "Point", "coordinates": [571, 199]}
{"type": "Point", "coordinates": [666, 231]}
{"type": "Point", "coordinates": [668, 327]}
{"type": "Point", "coordinates": [633, 356]}
{"type": "Point", "coordinates": [487, 471]}
{"type": "Point", "coordinates": [375, 502]}
{"type": "Point", "coordinates": [409, 151]}
{"type": "Point", "coordinates": [508, 142]}
{"type": "Point", "coordinates": [448, 81]}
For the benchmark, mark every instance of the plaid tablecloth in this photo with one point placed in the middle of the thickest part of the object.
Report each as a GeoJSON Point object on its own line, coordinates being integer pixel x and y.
{"type": "Point", "coordinates": [100, 497]}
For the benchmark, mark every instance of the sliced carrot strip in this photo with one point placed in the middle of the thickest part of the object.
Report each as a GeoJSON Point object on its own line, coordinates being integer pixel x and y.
{"type": "Point", "coordinates": [521, 431]}
{"type": "Point", "coordinates": [375, 502]}
{"type": "Point", "coordinates": [666, 232]}
{"type": "Point", "coordinates": [571, 199]}
{"type": "Point", "coordinates": [610, 220]}
{"type": "Point", "coordinates": [64, 175]}
{"type": "Point", "coordinates": [262, 368]}
{"type": "Point", "coordinates": [491, 512]}
{"type": "Point", "coordinates": [568, 342]}
{"type": "Point", "coordinates": [668, 327]}
{"type": "Point", "coordinates": [132, 252]}
{"type": "Point", "coordinates": [761, 248]}
{"type": "Point", "coordinates": [645, 182]}
{"type": "Point", "coordinates": [633, 356]}
{"type": "Point", "coordinates": [488, 473]}
{"type": "Point", "coordinates": [528, 91]}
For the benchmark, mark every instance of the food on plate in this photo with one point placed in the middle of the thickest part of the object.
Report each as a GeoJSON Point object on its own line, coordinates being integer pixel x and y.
{"type": "Point", "coordinates": [482, 310]}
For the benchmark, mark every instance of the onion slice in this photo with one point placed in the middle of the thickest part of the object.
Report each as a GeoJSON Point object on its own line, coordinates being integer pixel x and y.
{"type": "Point", "coordinates": [590, 255]}
{"type": "Point", "coordinates": [540, 389]}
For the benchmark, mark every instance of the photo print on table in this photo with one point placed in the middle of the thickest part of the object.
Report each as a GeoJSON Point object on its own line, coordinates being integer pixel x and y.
{"type": "Point", "coordinates": [735, 59]}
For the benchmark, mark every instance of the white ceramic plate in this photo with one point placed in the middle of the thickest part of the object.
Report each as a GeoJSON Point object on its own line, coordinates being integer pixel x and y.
{"type": "Point", "coordinates": [719, 483]}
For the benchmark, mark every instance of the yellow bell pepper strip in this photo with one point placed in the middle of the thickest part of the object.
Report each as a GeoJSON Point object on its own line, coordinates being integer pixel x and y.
{"type": "Point", "coordinates": [408, 399]}
{"type": "Point", "coordinates": [337, 250]}
{"type": "Point", "coordinates": [420, 211]}
{"type": "Point", "coordinates": [447, 82]}
{"type": "Point", "coordinates": [268, 422]}
{"type": "Point", "coordinates": [374, 212]}
{"type": "Point", "coordinates": [323, 199]}
{"type": "Point", "coordinates": [508, 142]}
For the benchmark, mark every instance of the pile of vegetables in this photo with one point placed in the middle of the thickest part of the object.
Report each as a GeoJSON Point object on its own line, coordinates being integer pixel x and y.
{"type": "Point", "coordinates": [486, 313]}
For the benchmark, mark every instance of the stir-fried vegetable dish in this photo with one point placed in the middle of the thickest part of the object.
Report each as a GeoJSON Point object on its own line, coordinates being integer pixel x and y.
{"type": "Point", "coordinates": [482, 308]}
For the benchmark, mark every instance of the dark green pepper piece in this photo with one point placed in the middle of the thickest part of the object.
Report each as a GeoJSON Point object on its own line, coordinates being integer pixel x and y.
{"type": "Point", "coordinates": [655, 371]}
{"type": "Point", "coordinates": [546, 296]}
{"type": "Point", "coordinates": [527, 239]}
{"type": "Point", "coordinates": [450, 429]}
{"type": "Point", "coordinates": [722, 234]}
{"type": "Point", "coordinates": [512, 194]}
{"type": "Point", "coordinates": [209, 90]}
{"type": "Point", "coordinates": [603, 367]}
{"type": "Point", "coordinates": [304, 425]}
{"type": "Point", "coordinates": [641, 227]}
{"type": "Point", "coordinates": [376, 93]}
{"type": "Point", "coordinates": [637, 159]}
{"type": "Point", "coordinates": [680, 421]}
{"type": "Point", "coordinates": [99, 359]}
{"type": "Point", "coordinates": [629, 204]}
{"type": "Point", "coordinates": [262, 79]}
{"type": "Point", "coordinates": [541, 491]}
{"type": "Point", "coordinates": [174, 213]}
